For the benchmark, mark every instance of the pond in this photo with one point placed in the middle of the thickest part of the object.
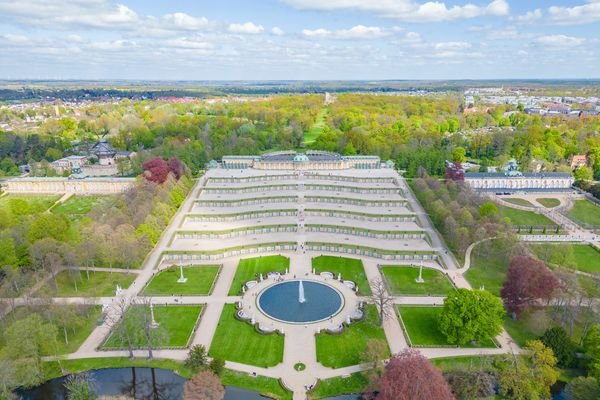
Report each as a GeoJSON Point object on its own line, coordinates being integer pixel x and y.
{"type": "Point", "coordinates": [137, 383]}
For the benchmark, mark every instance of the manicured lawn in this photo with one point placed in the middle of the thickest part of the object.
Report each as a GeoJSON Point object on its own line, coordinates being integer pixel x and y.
{"type": "Point", "coordinates": [35, 203]}
{"type": "Point", "coordinates": [580, 256]}
{"type": "Point", "coordinates": [269, 387]}
{"type": "Point", "coordinates": [524, 218]}
{"type": "Point", "coordinates": [248, 268]}
{"type": "Point", "coordinates": [468, 363]}
{"type": "Point", "coordinates": [342, 350]}
{"type": "Point", "coordinates": [77, 284]}
{"type": "Point", "coordinates": [401, 281]}
{"type": "Point", "coordinates": [78, 206]}
{"type": "Point", "coordinates": [518, 201]}
{"type": "Point", "coordinates": [239, 342]}
{"type": "Point", "coordinates": [585, 213]}
{"type": "Point", "coordinates": [200, 280]}
{"type": "Point", "coordinates": [350, 268]}
{"type": "Point", "coordinates": [317, 127]}
{"type": "Point", "coordinates": [353, 384]}
{"type": "Point", "coordinates": [421, 325]}
{"type": "Point", "coordinates": [177, 321]}
{"type": "Point", "coordinates": [529, 326]}
{"type": "Point", "coordinates": [488, 267]}
{"type": "Point", "coordinates": [548, 202]}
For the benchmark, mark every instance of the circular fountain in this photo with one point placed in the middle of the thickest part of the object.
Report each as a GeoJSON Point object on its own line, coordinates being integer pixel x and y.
{"type": "Point", "coordinates": [300, 301]}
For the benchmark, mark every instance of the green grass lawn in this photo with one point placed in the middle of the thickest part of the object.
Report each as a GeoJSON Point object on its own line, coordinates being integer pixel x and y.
{"type": "Point", "coordinates": [529, 326]}
{"type": "Point", "coordinates": [317, 127]}
{"type": "Point", "coordinates": [78, 206]}
{"type": "Point", "coordinates": [269, 387]}
{"type": "Point", "coordinates": [524, 218]}
{"type": "Point", "coordinates": [177, 321]}
{"type": "Point", "coordinates": [239, 342]}
{"type": "Point", "coordinates": [468, 363]}
{"type": "Point", "coordinates": [568, 255]}
{"type": "Point", "coordinates": [532, 324]}
{"type": "Point", "coordinates": [200, 280]}
{"type": "Point", "coordinates": [78, 336]}
{"type": "Point", "coordinates": [518, 201]}
{"type": "Point", "coordinates": [585, 213]}
{"type": "Point", "coordinates": [488, 268]}
{"type": "Point", "coordinates": [350, 268]}
{"type": "Point", "coordinates": [35, 203]}
{"type": "Point", "coordinates": [548, 202]}
{"type": "Point", "coordinates": [342, 350]}
{"type": "Point", "coordinates": [248, 268]}
{"type": "Point", "coordinates": [401, 281]}
{"type": "Point", "coordinates": [99, 284]}
{"type": "Point", "coordinates": [353, 384]}
{"type": "Point", "coordinates": [421, 325]}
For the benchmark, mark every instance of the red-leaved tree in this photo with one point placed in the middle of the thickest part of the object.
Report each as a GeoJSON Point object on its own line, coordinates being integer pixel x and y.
{"type": "Point", "coordinates": [410, 376]}
{"type": "Point", "coordinates": [177, 167]}
{"type": "Point", "coordinates": [156, 170]}
{"type": "Point", "coordinates": [455, 172]}
{"type": "Point", "coordinates": [527, 282]}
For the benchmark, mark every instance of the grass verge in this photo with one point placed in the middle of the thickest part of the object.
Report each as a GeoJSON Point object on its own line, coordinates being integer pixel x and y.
{"type": "Point", "coordinates": [350, 268]}
{"type": "Point", "coordinates": [239, 341]}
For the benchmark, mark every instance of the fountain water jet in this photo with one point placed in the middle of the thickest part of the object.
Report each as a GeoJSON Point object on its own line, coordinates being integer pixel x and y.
{"type": "Point", "coordinates": [301, 298]}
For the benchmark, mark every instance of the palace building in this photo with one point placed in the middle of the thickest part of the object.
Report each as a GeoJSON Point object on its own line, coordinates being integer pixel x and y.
{"type": "Point", "coordinates": [310, 160]}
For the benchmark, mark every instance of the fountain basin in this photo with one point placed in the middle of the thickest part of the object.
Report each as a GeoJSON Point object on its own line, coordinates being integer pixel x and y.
{"type": "Point", "coordinates": [281, 302]}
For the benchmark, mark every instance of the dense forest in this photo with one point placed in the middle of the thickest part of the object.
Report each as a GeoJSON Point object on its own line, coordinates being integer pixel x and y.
{"type": "Point", "coordinates": [412, 130]}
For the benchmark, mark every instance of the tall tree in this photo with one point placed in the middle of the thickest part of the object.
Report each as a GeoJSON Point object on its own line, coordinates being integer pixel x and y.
{"type": "Point", "coordinates": [26, 341]}
{"type": "Point", "coordinates": [78, 387]}
{"type": "Point", "coordinates": [583, 388]}
{"type": "Point", "coordinates": [470, 315]}
{"type": "Point", "coordinates": [381, 299]}
{"type": "Point", "coordinates": [156, 170]}
{"type": "Point", "coordinates": [527, 282]}
{"type": "Point", "coordinates": [409, 376]}
{"type": "Point", "coordinates": [375, 352]}
{"type": "Point", "coordinates": [530, 375]}
{"type": "Point", "coordinates": [564, 349]}
{"type": "Point", "coordinates": [204, 386]}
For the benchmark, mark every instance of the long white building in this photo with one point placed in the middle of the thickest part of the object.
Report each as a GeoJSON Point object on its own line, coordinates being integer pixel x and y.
{"type": "Point", "coordinates": [548, 181]}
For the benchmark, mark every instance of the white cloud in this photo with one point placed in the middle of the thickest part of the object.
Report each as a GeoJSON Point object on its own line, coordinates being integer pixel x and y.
{"type": "Point", "coordinates": [407, 10]}
{"type": "Point", "coordinates": [316, 33]}
{"type": "Point", "coordinates": [356, 32]}
{"type": "Point", "coordinates": [559, 41]}
{"type": "Point", "coordinates": [446, 46]}
{"type": "Point", "coordinates": [188, 43]}
{"type": "Point", "coordinates": [64, 13]}
{"type": "Point", "coordinates": [247, 27]}
{"type": "Point", "coordinates": [115, 45]}
{"type": "Point", "coordinates": [277, 31]}
{"type": "Point", "coordinates": [184, 21]}
{"type": "Point", "coordinates": [581, 14]}
{"type": "Point", "coordinates": [530, 16]}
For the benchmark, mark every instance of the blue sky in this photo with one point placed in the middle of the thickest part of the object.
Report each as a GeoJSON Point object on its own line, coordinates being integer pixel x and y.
{"type": "Point", "coordinates": [299, 39]}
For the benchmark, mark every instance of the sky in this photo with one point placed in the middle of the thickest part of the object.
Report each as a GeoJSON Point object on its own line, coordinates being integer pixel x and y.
{"type": "Point", "coordinates": [299, 39]}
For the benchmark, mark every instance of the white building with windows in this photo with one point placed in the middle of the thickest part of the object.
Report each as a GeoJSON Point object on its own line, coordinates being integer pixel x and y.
{"type": "Point", "coordinates": [501, 182]}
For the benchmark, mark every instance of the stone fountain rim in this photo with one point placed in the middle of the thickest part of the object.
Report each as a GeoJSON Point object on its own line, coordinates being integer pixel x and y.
{"type": "Point", "coordinates": [339, 293]}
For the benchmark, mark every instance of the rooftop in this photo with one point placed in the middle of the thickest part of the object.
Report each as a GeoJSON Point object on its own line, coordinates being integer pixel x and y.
{"type": "Point", "coordinates": [490, 175]}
